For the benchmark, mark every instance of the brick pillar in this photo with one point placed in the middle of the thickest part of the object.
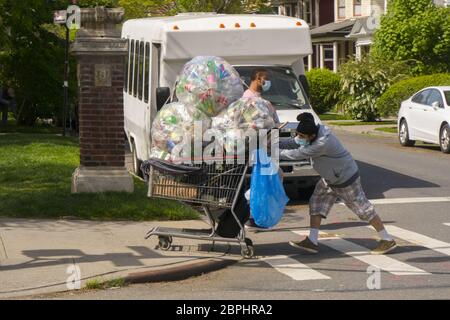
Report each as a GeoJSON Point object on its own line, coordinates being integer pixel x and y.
{"type": "Point", "coordinates": [100, 55]}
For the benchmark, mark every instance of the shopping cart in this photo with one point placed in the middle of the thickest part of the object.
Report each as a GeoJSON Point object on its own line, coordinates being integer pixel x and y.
{"type": "Point", "coordinates": [216, 184]}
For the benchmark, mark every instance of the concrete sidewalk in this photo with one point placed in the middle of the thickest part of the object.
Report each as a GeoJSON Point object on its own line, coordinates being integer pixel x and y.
{"type": "Point", "coordinates": [41, 256]}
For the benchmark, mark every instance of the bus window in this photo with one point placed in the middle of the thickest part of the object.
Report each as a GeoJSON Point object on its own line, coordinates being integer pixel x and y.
{"type": "Point", "coordinates": [131, 67]}
{"type": "Point", "coordinates": [136, 69]}
{"type": "Point", "coordinates": [127, 67]}
{"type": "Point", "coordinates": [141, 69]}
{"type": "Point", "coordinates": [146, 71]}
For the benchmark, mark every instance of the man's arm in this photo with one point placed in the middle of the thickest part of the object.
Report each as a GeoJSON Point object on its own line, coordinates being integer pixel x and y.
{"type": "Point", "coordinates": [311, 151]}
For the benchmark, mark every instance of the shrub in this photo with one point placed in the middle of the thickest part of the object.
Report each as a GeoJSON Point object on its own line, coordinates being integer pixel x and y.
{"type": "Point", "coordinates": [363, 81]}
{"type": "Point", "coordinates": [389, 102]}
{"type": "Point", "coordinates": [323, 86]}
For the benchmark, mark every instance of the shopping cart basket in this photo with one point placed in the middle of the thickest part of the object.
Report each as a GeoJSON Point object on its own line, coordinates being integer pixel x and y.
{"type": "Point", "coordinates": [209, 185]}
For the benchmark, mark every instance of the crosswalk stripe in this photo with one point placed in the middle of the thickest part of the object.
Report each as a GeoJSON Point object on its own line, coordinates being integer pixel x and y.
{"type": "Point", "coordinates": [361, 253]}
{"type": "Point", "coordinates": [419, 239]}
{"type": "Point", "coordinates": [447, 224]}
{"type": "Point", "coordinates": [294, 269]}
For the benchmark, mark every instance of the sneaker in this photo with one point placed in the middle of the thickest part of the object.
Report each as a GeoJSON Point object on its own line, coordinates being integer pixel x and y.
{"type": "Point", "coordinates": [384, 246]}
{"type": "Point", "coordinates": [306, 245]}
{"type": "Point", "coordinates": [251, 225]}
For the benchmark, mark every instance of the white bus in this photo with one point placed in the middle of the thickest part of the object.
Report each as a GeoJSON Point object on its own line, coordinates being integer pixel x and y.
{"type": "Point", "coordinates": [159, 47]}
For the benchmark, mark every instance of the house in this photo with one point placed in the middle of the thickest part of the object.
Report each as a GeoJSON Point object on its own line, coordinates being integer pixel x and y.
{"type": "Point", "coordinates": [339, 28]}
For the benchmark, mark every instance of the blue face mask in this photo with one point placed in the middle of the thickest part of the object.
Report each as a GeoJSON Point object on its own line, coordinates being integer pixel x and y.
{"type": "Point", "coordinates": [301, 142]}
{"type": "Point", "coordinates": [266, 86]}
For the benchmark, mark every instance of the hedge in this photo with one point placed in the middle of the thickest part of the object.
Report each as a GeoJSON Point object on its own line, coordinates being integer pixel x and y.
{"type": "Point", "coordinates": [323, 84]}
{"type": "Point", "coordinates": [389, 102]}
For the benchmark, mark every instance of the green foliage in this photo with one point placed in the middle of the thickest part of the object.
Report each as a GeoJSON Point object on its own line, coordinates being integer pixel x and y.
{"type": "Point", "coordinates": [93, 3]}
{"type": "Point", "coordinates": [32, 57]}
{"type": "Point", "coordinates": [389, 103]}
{"type": "Point", "coordinates": [362, 82]}
{"type": "Point", "coordinates": [323, 85]}
{"type": "Point", "coordinates": [415, 29]}
{"type": "Point", "coordinates": [144, 8]}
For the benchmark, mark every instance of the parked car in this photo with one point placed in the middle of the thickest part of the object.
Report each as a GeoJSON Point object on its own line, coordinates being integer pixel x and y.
{"type": "Point", "coordinates": [426, 117]}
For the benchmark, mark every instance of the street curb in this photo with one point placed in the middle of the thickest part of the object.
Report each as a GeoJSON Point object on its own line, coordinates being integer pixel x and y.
{"type": "Point", "coordinates": [179, 272]}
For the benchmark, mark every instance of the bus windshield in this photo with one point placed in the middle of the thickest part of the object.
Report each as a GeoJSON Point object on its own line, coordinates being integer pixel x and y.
{"type": "Point", "coordinates": [285, 92]}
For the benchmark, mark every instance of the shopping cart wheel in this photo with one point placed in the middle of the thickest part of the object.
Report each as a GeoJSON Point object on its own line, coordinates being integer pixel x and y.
{"type": "Point", "coordinates": [164, 243]}
{"type": "Point", "coordinates": [247, 252]}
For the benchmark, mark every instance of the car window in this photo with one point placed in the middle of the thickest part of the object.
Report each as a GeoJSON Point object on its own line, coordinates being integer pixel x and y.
{"type": "Point", "coordinates": [421, 97]}
{"type": "Point", "coordinates": [286, 91]}
{"type": "Point", "coordinates": [447, 97]}
{"type": "Point", "coordinates": [434, 96]}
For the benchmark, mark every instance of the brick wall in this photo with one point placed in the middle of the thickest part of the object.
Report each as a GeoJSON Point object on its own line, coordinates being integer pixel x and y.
{"type": "Point", "coordinates": [101, 114]}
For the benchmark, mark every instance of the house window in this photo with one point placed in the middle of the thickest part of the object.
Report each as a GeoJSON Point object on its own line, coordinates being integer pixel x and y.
{"type": "Point", "coordinates": [356, 7]}
{"type": "Point", "coordinates": [341, 9]}
{"type": "Point", "coordinates": [307, 12]}
{"type": "Point", "coordinates": [288, 10]}
{"type": "Point", "coordinates": [328, 53]}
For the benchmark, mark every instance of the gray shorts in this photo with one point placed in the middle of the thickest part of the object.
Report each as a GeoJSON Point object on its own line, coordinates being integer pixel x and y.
{"type": "Point", "coordinates": [324, 197]}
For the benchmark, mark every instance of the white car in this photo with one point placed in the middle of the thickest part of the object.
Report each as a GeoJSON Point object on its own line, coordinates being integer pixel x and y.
{"type": "Point", "coordinates": [426, 117]}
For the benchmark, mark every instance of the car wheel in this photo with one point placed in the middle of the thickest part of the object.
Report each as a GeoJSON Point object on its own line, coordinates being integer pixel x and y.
{"type": "Point", "coordinates": [403, 135]}
{"type": "Point", "coordinates": [136, 161]}
{"type": "Point", "coordinates": [444, 139]}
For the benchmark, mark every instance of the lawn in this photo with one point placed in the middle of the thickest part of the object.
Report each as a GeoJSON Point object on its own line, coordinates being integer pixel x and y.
{"type": "Point", "coordinates": [363, 123]}
{"type": "Point", "coordinates": [35, 180]}
{"type": "Point", "coordinates": [333, 116]}
{"type": "Point", "coordinates": [387, 129]}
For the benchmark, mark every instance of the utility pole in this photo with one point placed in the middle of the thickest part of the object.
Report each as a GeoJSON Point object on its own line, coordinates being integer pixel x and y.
{"type": "Point", "coordinates": [66, 80]}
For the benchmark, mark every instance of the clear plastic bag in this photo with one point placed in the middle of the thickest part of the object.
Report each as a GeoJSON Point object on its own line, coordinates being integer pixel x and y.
{"type": "Point", "coordinates": [210, 84]}
{"type": "Point", "coordinates": [174, 126]}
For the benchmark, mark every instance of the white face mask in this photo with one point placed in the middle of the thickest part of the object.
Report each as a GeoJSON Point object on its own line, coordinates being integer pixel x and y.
{"type": "Point", "coordinates": [266, 86]}
{"type": "Point", "coordinates": [301, 142]}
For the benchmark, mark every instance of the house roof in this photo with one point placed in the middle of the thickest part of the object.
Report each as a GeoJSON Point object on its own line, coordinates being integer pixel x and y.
{"type": "Point", "coordinates": [340, 29]}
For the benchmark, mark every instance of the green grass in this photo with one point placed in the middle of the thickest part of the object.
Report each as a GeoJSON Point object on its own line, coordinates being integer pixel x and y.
{"type": "Point", "coordinates": [333, 116]}
{"type": "Point", "coordinates": [98, 284]}
{"type": "Point", "coordinates": [387, 129]}
{"type": "Point", "coordinates": [35, 181]}
{"type": "Point", "coordinates": [362, 123]}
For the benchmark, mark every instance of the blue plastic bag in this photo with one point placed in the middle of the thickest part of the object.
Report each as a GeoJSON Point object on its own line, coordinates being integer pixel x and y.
{"type": "Point", "coordinates": [267, 196]}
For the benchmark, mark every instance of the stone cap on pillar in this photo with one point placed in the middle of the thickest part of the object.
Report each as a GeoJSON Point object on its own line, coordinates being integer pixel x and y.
{"type": "Point", "coordinates": [99, 32]}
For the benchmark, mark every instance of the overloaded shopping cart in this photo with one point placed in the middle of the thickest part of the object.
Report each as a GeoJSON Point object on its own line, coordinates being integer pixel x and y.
{"type": "Point", "coordinates": [214, 185]}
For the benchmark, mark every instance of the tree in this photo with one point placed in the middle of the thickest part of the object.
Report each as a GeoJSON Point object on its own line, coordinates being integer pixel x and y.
{"type": "Point", "coordinates": [415, 29]}
{"type": "Point", "coordinates": [32, 57]}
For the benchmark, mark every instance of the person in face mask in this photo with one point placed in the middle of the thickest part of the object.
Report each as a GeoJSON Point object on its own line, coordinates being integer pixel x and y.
{"type": "Point", "coordinates": [260, 83]}
{"type": "Point", "coordinates": [340, 179]}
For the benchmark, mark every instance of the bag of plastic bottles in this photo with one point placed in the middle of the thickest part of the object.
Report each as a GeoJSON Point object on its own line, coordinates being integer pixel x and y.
{"type": "Point", "coordinates": [255, 113]}
{"type": "Point", "coordinates": [210, 84]}
{"type": "Point", "coordinates": [174, 125]}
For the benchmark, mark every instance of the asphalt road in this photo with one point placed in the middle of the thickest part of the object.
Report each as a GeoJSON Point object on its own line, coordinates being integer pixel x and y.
{"type": "Point", "coordinates": [398, 179]}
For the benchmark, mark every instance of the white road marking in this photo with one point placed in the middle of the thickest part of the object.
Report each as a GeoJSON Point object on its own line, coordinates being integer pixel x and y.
{"type": "Point", "coordinates": [405, 200]}
{"type": "Point", "coordinates": [447, 224]}
{"type": "Point", "coordinates": [383, 262]}
{"type": "Point", "coordinates": [410, 200]}
{"type": "Point", "coordinates": [294, 269]}
{"type": "Point", "coordinates": [419, 239]}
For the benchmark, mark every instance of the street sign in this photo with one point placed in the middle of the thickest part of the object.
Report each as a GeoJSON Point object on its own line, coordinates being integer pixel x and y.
{"type": "Point", "coordinates": [60, 17]}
